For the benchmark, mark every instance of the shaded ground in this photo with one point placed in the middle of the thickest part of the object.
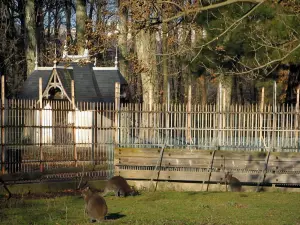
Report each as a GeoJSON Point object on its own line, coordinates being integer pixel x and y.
{"type": "Point", "coordinates": [157, 208]}
{"type": "Point", "coordinates": [40, 195]}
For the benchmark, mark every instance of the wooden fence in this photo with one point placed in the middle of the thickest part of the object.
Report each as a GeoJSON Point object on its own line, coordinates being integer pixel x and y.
{"type": "Point", "coordinates": [207, 166]}
{"type": "Point", "coordinates": [52, 135]}
{"type": "Point", "coordinates": [247, 127]}
{"type": "Point", "coordinates": [42, 135]}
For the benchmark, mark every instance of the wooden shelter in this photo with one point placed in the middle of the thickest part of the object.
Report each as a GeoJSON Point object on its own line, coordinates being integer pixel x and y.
{"type": "Point", "coordinates": [74, 79]}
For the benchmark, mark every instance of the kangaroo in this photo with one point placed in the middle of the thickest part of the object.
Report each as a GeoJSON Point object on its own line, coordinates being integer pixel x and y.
{"type": "Point", "coordinates": [119, 186]}
{"type": "Point", "coordinates": [95, 205]}
{"type": "Point", "coordinates": [234, 183]}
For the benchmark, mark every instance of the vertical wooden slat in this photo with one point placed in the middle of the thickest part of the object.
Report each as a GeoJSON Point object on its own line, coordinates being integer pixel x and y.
{"type": "Point", "coordinates": [168, 117]}
{"type": "Point", "coordinates": [223, 117]}
{"type": "Point", "coordinates": [291, 126]}
{"type": "Point", "coordinates": [117, 110]}
{"type": "Point", "coordinates": [41, 123]}
{"type": "Point", "coordinates": [296, 127]}
{"type": "Point", "coordinates": [74, 122]}
{"type": "Point", "coordinates": [2, 125]}
{"type": "Point", "coordinates": [261, 138]}
{"type": "Point", "coordinates": [219, 117]}
{"type": "Point", "coordinates": [205, 123]}
{"type": "Point", "coordinates": [95, 131]}
{"type": "Point", "coordinates": [101, 154]}
{"type": "Point", "coordinates": [267, 124]}
{"type": "Point", "coordinates": [274, 117]}
{"type": "Point", "coordinates": [253, 126]}
{"type": "Point", "coordinates": [243, 125]}
{"type": "Point", "coordinates": [239, 125]}
{"type": "Point", "coordinates": [189, 119]}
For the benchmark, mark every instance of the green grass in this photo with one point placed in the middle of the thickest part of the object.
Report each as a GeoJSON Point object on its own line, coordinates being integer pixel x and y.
{"type": "Point", "coordinates": [163, 208]}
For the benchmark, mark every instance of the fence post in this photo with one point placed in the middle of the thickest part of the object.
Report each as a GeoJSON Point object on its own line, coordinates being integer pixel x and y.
{"type": "Point", "coordinates": [95, 129]}
{"type": "Point", "coordinates": [220, 116]}
{"type": "Point", "coordinates": [189, 119]}
{"type": "Point", "coordinates": [297, 120]}
{"type": "Point", "coordinates": [261, 138]}
{"type": "Point", "coordinates": [41, 123]}
{"type": "Point", "coordinates": [117, 110]}
{"type": "Point", "coordinates": [223, 112]}
{"type": "Point", "coordinates": [74, 122]}
{"type": "Point", "coordinates": [274, 120]}
{"type": "Point", "coordinates": [168, 115]}
{"type": "Point", "coordinates": [169, 95]}
{"type": "Point", "coordinates": [116, 125]}
{"type": "Point", "coordinates": [2, 124]}
{"type": "Point", "coordinates": [149, 125]}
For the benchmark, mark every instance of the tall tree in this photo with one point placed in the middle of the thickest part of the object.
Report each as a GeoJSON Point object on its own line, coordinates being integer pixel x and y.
{"type": "Point", "coordinates": [123, 37]}
{"type": "Point", "coordinates": [143, 12]}
{"type": "Point", "coordinates": [81, 19]}
{"type": "Point", "coordinates": [30, 23]}
{"type": "Point", "coordinates": [68, 10]}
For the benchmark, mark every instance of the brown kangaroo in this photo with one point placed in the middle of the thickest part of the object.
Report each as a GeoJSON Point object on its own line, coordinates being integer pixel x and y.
{"type": "Point", "coordinates": [95, 205]}
{"type": "Point", "coordinates": [119, 186]}
{"type": "Point", "coordinates": [234, 183]}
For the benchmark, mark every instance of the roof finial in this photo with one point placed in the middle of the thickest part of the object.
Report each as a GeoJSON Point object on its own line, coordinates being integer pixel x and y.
{"type": "Point", "coordinates": [55, 56]}
{"type": "Point", "coordinates": [116, 58]}
{"type": "Point", "coordinates": [65, 52]}
{"type": "Point", "coordinates": [95, 63]}
{"type": "Point", "coordinates": [36, 58]}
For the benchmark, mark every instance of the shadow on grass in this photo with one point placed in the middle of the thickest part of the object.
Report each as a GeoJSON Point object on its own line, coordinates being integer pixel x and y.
{"type": "Point", "coordinates": [200, 192]}
{"type": "Point", "coordinates": [114, 216]}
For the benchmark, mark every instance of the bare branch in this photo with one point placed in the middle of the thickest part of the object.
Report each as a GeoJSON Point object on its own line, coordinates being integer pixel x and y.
{"type": "Point", "coordinates": [205, 8]}
{"type": "Point", "coordinates": [270, 62]}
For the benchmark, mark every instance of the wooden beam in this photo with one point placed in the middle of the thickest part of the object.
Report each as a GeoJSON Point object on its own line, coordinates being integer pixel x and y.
{"type": "Point", "coordinates": [41, 123]}
{"type": "Point", "coordinates": [74, 122]}
{"type": "Point", "coordinates": [3, 124]}
{"type": "Point", "coordinates": [117, 111]}
{"type": "Point", "coordinates": [189, 116]}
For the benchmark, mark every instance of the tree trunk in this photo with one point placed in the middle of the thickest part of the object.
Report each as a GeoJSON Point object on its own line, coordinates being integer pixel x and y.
{"type": "Point", "coordinates": [164, 59]}
{"type": "Point", "coordinates": [30, 35]}
{"type": "Point", "coordinates": [68, 19]}
{"type": "Point", "coordinates": [39, 29]}
{"type": "Point", "coordinates": [99, 10]}
{"type": "Point", "coordinates": [202, 89]}
{"type": "Point", "coordinates": [22, 41]}
{"type": "Point", "coordinates": [187, 76]}
{"type": "Point", "coordinates": [228, 86]}
{"type": "Point", "coordinates": [81, 18]}
{"type": "Point", "coordinates": [91, 9]}
{"type": "Point", "coordinates": [56, 21]}
{"type": "Point", "coordinates": [49, 22]}
{"type": "Point", "coordinates": [122, 41]}
{"type": "Point", "coordinates": [147, 62]}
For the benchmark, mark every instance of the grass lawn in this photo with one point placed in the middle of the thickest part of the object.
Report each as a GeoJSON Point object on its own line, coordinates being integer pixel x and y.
{"type": "Point", "coordinates": [162, 208]}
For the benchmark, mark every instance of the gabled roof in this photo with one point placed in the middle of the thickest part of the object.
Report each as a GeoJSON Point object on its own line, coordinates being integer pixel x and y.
{"type": "Point", "coordinates": [30, 89]}
{"type": "Point", "coordinates": [92, 84]}
{"type": "Point", "coordinates": [107, 79]}
{"type": "Point", "coordinates": [66, 76]}
{"type": "Point", "coordinates": [86, 87]}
